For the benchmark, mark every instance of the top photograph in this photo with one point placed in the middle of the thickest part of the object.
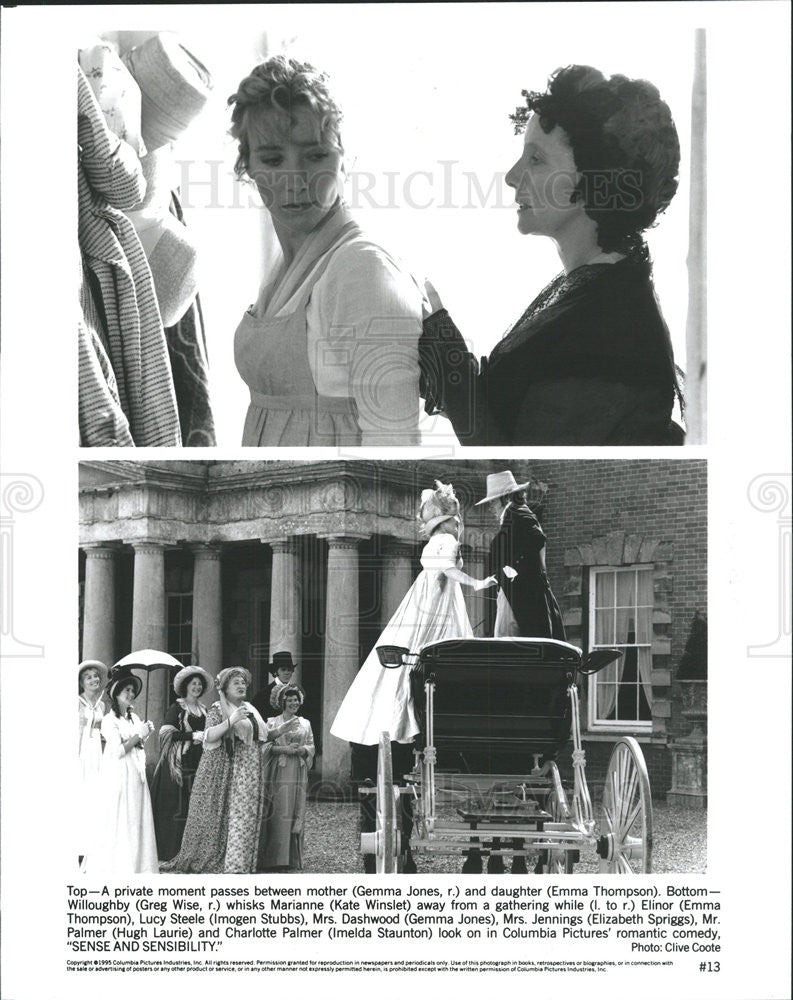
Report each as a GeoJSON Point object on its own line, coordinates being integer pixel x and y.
{"type": "Point", "coordinates": [296, 234]}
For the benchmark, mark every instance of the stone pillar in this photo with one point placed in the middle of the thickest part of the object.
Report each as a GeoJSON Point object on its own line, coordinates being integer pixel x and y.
{"type": "Point", "coordinates": [148, 627]}
{"type": "Point", "coordinates": [207, 641]}
{"type": "Point", "coordinates": [396, 575]}
{"type": "Point", "coordinates": [476, 602]}
{"type": "Point", "coordinates": [690, 753]}
{"type": "Point", "coordinates": [286, 630]}
{"type": "Point", "coordinates": [341, 649]}
{"type": "Point", "coordinates": [99, 604]}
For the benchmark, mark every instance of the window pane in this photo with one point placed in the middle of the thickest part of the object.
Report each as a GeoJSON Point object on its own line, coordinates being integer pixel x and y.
{"type": "Point", "coordinates": [606, 697]}
{"type": "Point", "coordinates": [645, 584]}
{"type": "Point", "coordinates": [626, 625]}
{"type": "Point", "coordinates": [622, 617]}
{"type": "Point", "coordinates": [604, 627]}
{"type": "Point", "coordinates": [604, 590]}
{"type": "Point", "coordinates": [644, 619]}
{"type": "Point", "coordinates": [645, 662]}
{"type": "Point", "coordinates": [626, 589]}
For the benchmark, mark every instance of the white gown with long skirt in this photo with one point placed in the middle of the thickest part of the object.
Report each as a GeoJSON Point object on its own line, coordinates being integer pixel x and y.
{"type": "Point", "coordinates": [379, 699]}
{"type": "Point", "coordinates": [90, 764]}
{"type": "Point", "coordinates": [126, 842]}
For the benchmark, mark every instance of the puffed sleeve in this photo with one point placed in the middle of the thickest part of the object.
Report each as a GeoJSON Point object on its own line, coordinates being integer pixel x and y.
{"type": "Point", "coordinates": [440, 552]}
{"type": "Point", "coordinates": [82, 719]}
{"type": "Point", "coordinates": [214, 718]}
{"type": "Point", "coordinates": [368, 345]}
{"type": "Point", "coordinates": [111, 733]}
{"type": "Point", "coordinates": [308, 741]}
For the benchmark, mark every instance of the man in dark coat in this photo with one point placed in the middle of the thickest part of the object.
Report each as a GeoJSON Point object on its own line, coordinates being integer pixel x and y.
{"type": "Point", "coordinates": [282, 668]}
{"type": "Point", "coordinates": [526, 604]}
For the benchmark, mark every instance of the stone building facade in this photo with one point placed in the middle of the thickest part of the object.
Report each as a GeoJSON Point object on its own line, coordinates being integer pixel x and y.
{"type": "Point", "coordinates": [223, 563]}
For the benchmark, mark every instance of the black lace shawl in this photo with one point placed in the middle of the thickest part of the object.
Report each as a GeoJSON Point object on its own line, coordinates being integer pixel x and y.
{"type": "Point", "coordinates": [601, 323]}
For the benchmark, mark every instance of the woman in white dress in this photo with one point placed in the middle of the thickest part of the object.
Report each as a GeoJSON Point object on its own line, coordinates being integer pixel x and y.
{"type": "Point", "coordinates": [91, 675]}
{"type": "Point", "coordinates": [126, 842]}
{"type": "Point", "coordinates": [378, 700]}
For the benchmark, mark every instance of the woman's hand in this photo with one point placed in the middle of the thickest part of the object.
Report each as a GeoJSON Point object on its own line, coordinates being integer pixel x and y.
{"type": "Point", "coordinates": [287, 727]}
{"type": "Point", "coordinates": [432, 301]}
{"type": "Point", "coordinates": [199, 737]}
{"type": "Point", "coordinates": [489, 581]}
{"type": "Point", "coordinates": [145, 729]}
{"type": "Point", "coordinates": [239, 713]}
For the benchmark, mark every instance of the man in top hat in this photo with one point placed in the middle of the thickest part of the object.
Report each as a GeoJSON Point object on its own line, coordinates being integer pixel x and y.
{"type": "Point", "coordinates": [526, 604]}
{"type": "Point", "coordinates": [282, 668]}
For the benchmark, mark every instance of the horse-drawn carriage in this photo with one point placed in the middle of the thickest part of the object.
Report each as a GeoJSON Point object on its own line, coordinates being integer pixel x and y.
{"type": "Point", "coordinates": [495, 714]}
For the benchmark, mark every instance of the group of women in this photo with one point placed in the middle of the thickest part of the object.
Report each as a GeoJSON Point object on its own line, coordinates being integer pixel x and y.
{"type": "Point", "coordinates": [229, 790]}
{"type": "Point", "coordinates": [228, 793]}
{"type": "Point", "coordinates": [341, 341]}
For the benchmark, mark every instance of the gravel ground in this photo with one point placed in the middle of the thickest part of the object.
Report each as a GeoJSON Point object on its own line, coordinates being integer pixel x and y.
{"type": "Point", "coordinates": [331, 844]}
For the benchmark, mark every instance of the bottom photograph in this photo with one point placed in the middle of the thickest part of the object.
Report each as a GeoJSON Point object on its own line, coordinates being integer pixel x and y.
{"type": "Point", "coordinates": [424, 667]}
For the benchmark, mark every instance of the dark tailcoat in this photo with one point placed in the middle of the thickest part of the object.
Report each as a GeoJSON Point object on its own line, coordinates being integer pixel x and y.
{"type": "Point", "coordinates": [519, 543]}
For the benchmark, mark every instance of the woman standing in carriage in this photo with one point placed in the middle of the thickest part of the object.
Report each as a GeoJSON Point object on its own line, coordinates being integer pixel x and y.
{"type": "Point", "coordinates": [379, 700]}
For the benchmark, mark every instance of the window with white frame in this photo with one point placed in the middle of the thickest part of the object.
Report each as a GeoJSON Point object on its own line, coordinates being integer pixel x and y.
{"type": "Point", "coordinates": [180, 626]}
{"type": "Point", "coordinates": [621, 617]}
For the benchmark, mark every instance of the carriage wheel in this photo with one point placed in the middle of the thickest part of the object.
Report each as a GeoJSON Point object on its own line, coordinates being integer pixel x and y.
{"type": "Point", "coordinates": [387, 834]}
{"type": "Point", "coordinates": [626, 844]}
{"type": "Point", "coordinates": [557, 862]}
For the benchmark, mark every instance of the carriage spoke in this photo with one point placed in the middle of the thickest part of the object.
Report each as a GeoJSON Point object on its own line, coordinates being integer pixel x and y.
{"type": "Point", "coordinates": [624, 866]}
{"type": "Point", "coordinates": [627, 811]}
{"type": "Point", "coordinates": [634, 814]}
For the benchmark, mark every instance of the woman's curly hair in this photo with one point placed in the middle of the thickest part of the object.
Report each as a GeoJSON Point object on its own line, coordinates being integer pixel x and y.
{"type": "Point", "coordinates": [440, 502]}
{"type": "Point", "coordinates": [281, 84]}
{"type": "Point", "coordinates": [287, 690]}
{"type": "Point", "coordinates": [624, 143]}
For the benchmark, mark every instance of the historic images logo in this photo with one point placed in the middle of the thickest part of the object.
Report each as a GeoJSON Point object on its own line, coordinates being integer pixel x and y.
{"type": "Point", "coordinates": [770, 493]}
{"type": "Point", "coordinates": [20, 493]}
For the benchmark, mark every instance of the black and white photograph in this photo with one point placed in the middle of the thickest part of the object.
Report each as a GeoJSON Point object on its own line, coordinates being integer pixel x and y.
{"type": "Point", "coordinates": [446, 605]}
{"type": "Point", "coordinates": [412, 508]}
{"type": "Point", "coordinates": [388, 247]}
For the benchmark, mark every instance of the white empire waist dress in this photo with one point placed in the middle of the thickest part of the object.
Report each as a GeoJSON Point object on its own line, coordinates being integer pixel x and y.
{"type": "Point", "coordinates": [378, 699]}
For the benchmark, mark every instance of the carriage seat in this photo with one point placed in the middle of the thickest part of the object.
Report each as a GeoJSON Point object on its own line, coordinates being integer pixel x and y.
{"type": "Point", "coordinates": [497, 701]}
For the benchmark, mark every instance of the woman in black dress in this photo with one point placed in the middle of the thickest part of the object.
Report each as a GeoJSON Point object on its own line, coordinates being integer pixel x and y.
{"type": "Point", "coordinates": [181, 742]}
{"type": "Point", "coordinates": [590, 361]}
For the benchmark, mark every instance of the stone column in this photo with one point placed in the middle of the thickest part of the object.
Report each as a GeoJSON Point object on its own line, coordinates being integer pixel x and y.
{"type": "Point", "coordinates": [99, 604]}
{"type": "Point", "coordinates": [148, 627]}
{"type": "Point", "coordinates": [476, 602]}
{"type": "Point", "coordinates": [396, 575]}
{"type": "Point", "coordinates": [285, 617]}
{"type": "Point", "coordinates": [207, 642]}
{"type": "Point", "coordinates": [341, 649]}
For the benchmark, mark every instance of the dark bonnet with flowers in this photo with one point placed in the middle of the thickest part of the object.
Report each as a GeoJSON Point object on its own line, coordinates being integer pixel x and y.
{"type": "Point", "coordinates": [624, 143]}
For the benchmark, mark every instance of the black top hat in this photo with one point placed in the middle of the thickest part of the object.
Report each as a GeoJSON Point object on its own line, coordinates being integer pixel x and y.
{"type": "Point", "coordinates": [284, 660]}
